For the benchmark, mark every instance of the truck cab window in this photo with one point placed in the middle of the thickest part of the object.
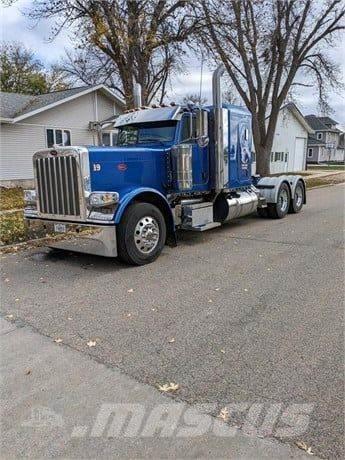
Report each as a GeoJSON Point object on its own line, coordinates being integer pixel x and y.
{"type": "Point", "coordinates": [146, 133]}
{"type": "Point", "coordinates": [185, 129]}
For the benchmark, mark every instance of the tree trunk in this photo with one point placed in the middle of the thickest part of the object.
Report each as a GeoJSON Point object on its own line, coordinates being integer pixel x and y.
{"type": "Point", "coordinates": [262, 160]}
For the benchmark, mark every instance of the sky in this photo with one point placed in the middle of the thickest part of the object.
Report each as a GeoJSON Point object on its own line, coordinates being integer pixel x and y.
{"type": "Point", "coordinates": [15, 26]}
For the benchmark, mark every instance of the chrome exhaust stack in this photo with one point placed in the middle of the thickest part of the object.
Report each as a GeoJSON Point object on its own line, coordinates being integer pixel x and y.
{"type": "Point", "coordinates": [137, 95]}
{"type": "Point", "coordinates": [218, 127]}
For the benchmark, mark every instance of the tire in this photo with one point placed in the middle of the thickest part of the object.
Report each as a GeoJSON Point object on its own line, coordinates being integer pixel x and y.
{"type": "Point", "coordinates": [141, 234]}
{"type": "Point", "coordinates": [262, 212]}
{"type": "Point", "coordinates": [296, 204]}
{"type": "Point", "coordinates": [280, 209]}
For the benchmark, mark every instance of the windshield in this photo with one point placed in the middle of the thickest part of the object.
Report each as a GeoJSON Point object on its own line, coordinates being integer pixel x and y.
{"type": "Point", "coordinates": [146, 133]}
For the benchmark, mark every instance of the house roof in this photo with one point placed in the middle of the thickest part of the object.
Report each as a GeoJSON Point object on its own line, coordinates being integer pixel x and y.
{"type": "Point", "coordinates": [321, 123]}
{"type": "Point", "coordinates": [328, 121]}
{"type": "Point", "coordinates": [298, 114]}
{"type": "Point", "coordinates": [15, 107]}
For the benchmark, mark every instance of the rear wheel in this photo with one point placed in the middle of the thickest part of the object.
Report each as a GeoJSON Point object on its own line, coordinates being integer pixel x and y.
{"type": "Point", "coordinates": [141, 234]}
{"type": "Point", "coordinates": [279, 209]}
{"type": "Point", "coordinates": [297, 201]}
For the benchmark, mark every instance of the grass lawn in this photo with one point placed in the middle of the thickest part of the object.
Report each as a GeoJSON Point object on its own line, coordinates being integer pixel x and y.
{"type": "Point", "coordinates": [328, 180]}
{"type": "Point", "coordinates": [326, 167]}
{"type": "Point", "coordinates": [11, 198]}
{"type": "Point", "coordinates": [13, 227]}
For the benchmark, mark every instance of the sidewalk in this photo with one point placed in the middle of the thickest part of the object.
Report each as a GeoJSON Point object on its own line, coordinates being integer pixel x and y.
{"type": "Point", "coordinates": [57, 402]}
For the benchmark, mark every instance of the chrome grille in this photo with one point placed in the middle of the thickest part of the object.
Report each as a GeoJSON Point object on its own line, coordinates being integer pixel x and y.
{"type": "Point", "coordinates": [57, 185]}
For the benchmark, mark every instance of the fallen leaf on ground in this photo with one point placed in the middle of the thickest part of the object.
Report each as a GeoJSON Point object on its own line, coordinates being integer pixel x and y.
{"type": "Point", "coordinates": [129, 315]}
{"type": "Point", "coordinates": [210, 300]}
{"type": "Point", "coordinates": [28, 372]}
{"type": "Point", "coordinates": [91, 343]}
{"type": "Point", "coordinates": [16, 300]}
{"type": "Point", "coordinates": [172, 340]}
{"type": "Point", "coordinates": [302, 445]}
{"type": "Point", "coordinates": [58, 340]}
{"type": "Point", "coordinates": [69, 319]}
{"type": "Point", "coordinates": [217, 289]}
{"type": "Point", "coordinates": [130, 290]}
{"type": "Point", "coordinates": [246, 290]}
{"type": "Point", "coordinates": [169, 387]}
{"type": "Point", "coordinates": [6, 280]}
{"type": "Point", "coordinates": [222, 351]}
{"type": "Point", "coordinates": [224, 414]}
{"type": "Point", "coordinates": [9, 316]}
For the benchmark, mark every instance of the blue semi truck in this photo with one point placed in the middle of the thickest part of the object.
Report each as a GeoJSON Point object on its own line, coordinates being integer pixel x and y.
{"type": "Point", "coordinates": [173, 167]}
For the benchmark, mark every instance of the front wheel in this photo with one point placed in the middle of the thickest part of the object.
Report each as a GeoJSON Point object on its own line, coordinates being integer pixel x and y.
{"type": "Point", "coordinates": [141, 234]}
{"type": "Point", "coordinates": [279, 209]}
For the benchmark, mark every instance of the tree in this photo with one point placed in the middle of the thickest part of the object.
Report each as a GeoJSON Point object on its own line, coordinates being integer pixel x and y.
{"type": "Point", "coordinates": [21, 72]}
{"type": "Point", "coordinates": [267, 47]}
{"type": "Point", "coordinates": [139, 40]}
{"type": "Point", "coordinates": [194, 98]}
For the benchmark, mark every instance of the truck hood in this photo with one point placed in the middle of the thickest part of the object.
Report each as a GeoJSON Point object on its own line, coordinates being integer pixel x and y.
{"type": "Point", "coordinates": [122, 169]}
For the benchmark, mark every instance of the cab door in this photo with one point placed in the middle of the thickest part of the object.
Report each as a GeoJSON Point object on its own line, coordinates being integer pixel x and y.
{"type": "Point", "coordinates": [200, 159]}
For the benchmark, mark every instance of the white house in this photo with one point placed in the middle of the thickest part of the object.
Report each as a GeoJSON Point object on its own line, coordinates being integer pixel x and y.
{"type": "Point", "coordinates": [30, 123]}
{"type": "Point", "coordinates": [289, 148]}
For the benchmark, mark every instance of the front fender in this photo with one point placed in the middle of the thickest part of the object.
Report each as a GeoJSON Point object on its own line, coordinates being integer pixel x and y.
{"type": "Point", "coordinates": [130, 196]}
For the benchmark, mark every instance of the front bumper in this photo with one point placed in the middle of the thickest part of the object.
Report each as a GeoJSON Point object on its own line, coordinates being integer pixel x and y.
{"type": "Point", "coordinates": [99, 240]}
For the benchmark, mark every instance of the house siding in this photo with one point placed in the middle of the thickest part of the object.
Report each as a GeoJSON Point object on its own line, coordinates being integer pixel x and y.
{"type": "Point", "coordinates": [315, 157]}
{"type": "Point", "coordinates": [19, 141]}
{"type": "Point", "coordinates": [290, 138]}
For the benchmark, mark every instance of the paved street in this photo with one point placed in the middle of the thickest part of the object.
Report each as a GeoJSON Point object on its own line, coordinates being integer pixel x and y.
{"type": "Point", "coordinates": [249, 313]}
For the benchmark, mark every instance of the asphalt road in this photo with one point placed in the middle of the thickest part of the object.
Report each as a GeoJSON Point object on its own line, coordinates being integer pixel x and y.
{"type": "Point", "coordinates": [255, 309]}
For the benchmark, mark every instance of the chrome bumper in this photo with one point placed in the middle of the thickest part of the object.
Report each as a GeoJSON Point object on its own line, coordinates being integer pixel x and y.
{"type": "Point", "coordinates": [101, 241]}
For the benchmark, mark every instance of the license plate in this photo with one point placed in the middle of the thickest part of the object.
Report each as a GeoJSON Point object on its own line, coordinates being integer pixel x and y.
{"type": "Point", "coordinates": [60, 228]}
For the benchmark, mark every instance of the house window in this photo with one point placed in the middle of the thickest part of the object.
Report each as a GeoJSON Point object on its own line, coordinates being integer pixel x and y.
{"type": "Point", "coordinates": [61, 137]}
{"type": "Point", "coordinates": [286, 157]}
{"type": "Point", "coordinates": [319, 136]}
{"type": "Point", "coordinates": [278, 156]}
{"type": "Point", "coordinates": [109, 138]}
{"type": "Point", "coordinates": [310, 153]}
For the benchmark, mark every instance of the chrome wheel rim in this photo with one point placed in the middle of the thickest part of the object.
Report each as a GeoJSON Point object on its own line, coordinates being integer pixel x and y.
{"type": "Point", "coordinates": [283, 200]}
{"type": "Point", "coordinates": [298, 196]}
{"type": "Point", "coordinates": [146, 234]}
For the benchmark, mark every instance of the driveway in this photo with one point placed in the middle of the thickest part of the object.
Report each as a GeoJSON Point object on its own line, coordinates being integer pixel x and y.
{"type": "Point", "coordinates": [250, 313]}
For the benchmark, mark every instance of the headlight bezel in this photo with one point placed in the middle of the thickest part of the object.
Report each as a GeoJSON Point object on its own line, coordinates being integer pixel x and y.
{"type": "Point", "coordinates": [102, 199]}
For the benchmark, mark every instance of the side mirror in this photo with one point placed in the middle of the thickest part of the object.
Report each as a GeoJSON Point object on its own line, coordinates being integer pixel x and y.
{"type": "Point", "coordinates": [202, 127]}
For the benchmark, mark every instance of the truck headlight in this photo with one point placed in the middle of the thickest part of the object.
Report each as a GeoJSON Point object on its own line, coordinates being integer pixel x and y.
{"type": "Point", "coordinates": [30, 197]}
{"type": "Point", "coordinates": [101, 199]}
